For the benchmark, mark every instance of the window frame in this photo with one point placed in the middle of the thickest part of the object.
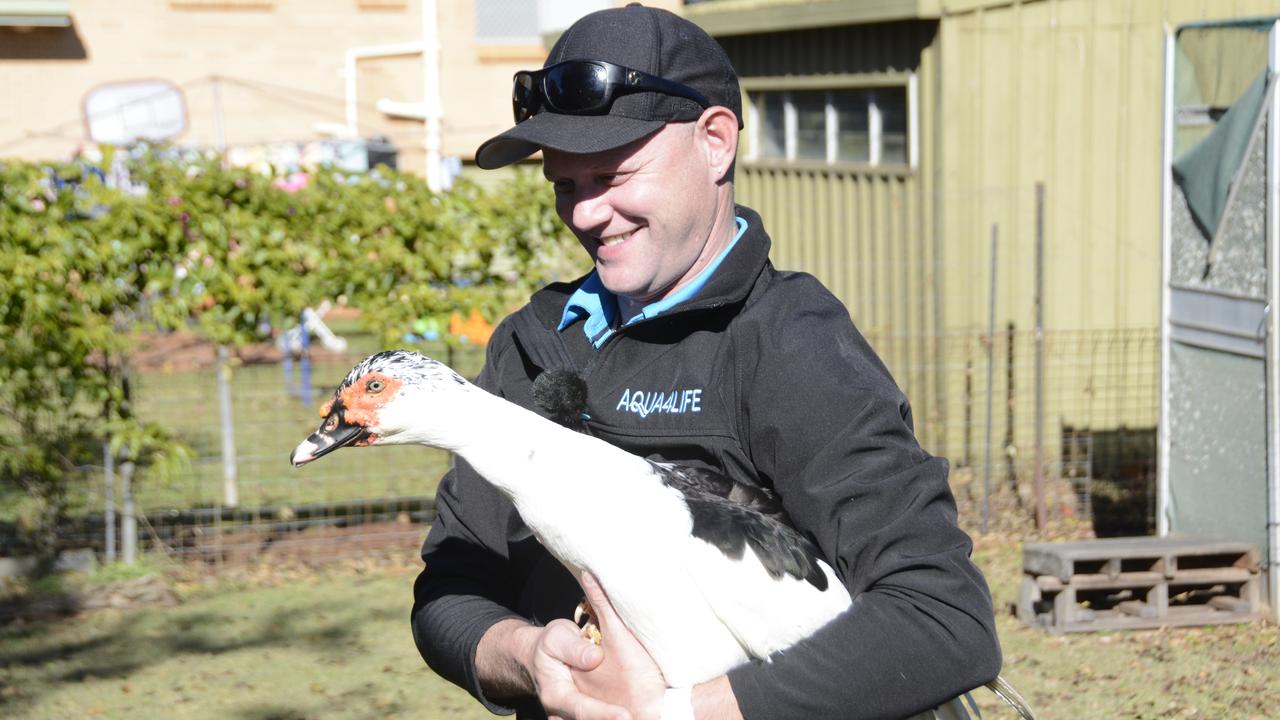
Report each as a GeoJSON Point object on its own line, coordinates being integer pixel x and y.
{"type": "Point", "coordinates": [782, 87]}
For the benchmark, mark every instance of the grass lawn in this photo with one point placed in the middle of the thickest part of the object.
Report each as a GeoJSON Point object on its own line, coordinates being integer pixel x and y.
{"type": "Point", "coordinates": [323, 646]}
{"type": "Point", "coordinates": [269, 422]}
{"type": "Point", "coordinates": [336, 644]}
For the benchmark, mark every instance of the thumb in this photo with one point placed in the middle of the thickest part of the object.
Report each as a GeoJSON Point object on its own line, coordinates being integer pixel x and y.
{"type": "Point", "coordinates": [562, 641]}
{"type": "Point", "coordinates": [599, 601]}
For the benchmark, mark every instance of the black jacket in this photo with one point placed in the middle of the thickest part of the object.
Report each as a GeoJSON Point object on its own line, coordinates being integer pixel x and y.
{"type": "Point", "coordinates": [763, 376]}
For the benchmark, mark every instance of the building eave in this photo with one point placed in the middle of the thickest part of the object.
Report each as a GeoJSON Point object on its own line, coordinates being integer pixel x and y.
{"type": "Point", "coordinates": [742, 17]}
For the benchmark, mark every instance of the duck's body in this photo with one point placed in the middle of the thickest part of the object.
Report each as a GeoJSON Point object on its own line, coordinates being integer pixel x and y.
{"type": "Point", "coordinates": [698, 610]}
{"type": "Point", "coordinates": [706, 574]}
{"type": "Point", "coordinates": [598, 508]}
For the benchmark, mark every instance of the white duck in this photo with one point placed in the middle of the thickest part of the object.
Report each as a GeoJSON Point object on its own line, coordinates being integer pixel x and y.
{"type": "Point", "coordinates": [697, 602]}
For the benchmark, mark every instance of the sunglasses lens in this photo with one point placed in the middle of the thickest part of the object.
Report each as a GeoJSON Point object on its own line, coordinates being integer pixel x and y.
{"type": "Point", "coordinates": [577, 87]}
{"type": "Point", "coordinates": [522, 100]}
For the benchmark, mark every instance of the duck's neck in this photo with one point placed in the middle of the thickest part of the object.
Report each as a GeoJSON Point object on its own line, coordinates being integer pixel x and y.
{"type": "Point", "coordinates": [509, 445]}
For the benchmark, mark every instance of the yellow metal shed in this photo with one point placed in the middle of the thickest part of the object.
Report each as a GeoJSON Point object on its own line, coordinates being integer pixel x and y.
{"type": "Point", "coordinates": [1000, 96]}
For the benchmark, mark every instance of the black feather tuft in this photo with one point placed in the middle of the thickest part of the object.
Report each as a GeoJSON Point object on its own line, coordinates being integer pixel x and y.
{"type": "Point", "coordinates": [562, 394]}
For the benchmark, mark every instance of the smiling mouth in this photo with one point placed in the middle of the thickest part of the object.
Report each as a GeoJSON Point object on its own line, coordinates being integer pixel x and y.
{"type": "Point", "coordinates": [616, 239]}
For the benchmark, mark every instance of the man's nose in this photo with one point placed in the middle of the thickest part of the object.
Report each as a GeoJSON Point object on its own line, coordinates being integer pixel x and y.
{"type": "Point", "coordinates": [592, 212]}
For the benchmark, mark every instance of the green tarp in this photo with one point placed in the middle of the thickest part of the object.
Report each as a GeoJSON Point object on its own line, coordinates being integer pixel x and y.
{"type": "Point", "coordinates": [1205, 172]}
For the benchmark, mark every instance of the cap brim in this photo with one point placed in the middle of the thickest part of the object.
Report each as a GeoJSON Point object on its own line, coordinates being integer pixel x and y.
{"type": "Point", "coordinates": [578, 134]}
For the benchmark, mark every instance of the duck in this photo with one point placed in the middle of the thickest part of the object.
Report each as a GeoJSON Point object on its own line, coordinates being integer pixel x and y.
{"type": "Point", "coordinates": [721, 579]}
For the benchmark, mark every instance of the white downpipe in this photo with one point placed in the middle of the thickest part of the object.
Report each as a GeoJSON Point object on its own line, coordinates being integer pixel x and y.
{"type": "Point", "coordinates": [431, 93]}
{"type": "Point", "coordinates": [1166, 265]}
{"type": "Point", "coordinates": [350, 75]}
{"type": "Point", "coordinates": [1273, 340]}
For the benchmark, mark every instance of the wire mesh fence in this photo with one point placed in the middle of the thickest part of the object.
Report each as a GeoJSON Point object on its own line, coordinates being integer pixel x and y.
{"type": "Point", "coordinates": [352, 504]}
{"type": "Point", "coordinates": [1077, 409]}
{"type": "Point", "coordinates": [1090, 440]}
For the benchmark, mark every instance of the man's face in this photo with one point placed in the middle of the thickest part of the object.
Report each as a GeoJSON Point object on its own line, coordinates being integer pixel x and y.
{"type": "Point", "coordinates": [644, 212]}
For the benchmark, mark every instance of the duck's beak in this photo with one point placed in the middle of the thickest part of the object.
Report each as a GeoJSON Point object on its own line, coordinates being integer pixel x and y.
{"type": "Point", "coordinates": [334, 432]}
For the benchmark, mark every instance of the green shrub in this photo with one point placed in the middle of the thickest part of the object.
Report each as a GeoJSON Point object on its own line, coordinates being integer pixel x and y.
{"type": "Point", "coordinates": [230, 253]}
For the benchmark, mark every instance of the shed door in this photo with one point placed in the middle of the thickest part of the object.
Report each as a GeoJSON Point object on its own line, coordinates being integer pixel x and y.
{"type": "Point", "coordinates": [1216, 297]}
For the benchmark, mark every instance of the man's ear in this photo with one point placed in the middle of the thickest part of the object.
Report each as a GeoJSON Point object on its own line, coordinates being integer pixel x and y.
{"type": "Point", "coordinates": [718, 128]}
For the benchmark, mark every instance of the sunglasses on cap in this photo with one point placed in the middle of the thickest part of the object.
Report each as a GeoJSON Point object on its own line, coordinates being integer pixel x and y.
{"type": "Point", "coordinates": [587, 87]}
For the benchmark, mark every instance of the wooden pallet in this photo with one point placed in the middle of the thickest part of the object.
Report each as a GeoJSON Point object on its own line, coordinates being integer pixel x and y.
{"type": "Point", "coordinates": [1142, 582]}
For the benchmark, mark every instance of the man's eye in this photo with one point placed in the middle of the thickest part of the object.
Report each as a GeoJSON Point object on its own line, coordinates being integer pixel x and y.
{"type": "Point", "coordinates": [562, 187]}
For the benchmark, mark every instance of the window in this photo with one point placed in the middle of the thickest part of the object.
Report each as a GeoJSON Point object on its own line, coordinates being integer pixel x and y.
{"type": "Point", "coordinates": [507, 21]}
{"type": "Point", "coordinates": [866, 126]}
{"type": "Point", "coordinates": [222, 4]}
{"type": "Point", "coordinates": [523, 30]}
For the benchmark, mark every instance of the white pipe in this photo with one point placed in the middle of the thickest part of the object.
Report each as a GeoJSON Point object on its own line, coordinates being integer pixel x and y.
{"type": "Point", "coordinates": [913, 120]}
{"type": "Point", "coordinates": [1273, 341]}
{"type": "Point", "coordinates": [350, 75]}
{"type": "Point", "coordinates": [431, 93]}
{"type": "Point", "coordinates": [1166, 265]}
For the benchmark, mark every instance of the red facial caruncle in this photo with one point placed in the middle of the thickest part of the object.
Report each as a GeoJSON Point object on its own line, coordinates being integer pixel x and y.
{"type": "Point", "coordinates": [362, 400]}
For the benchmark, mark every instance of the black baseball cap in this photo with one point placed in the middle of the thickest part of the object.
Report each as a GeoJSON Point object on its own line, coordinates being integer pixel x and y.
{"type": "Point", "coordinates": [650, 40]}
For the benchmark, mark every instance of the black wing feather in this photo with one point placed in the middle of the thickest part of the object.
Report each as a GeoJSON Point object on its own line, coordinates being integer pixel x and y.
{"type": "Point", "coordinates": [762, 500]}
{"type": "Point", "coordinates": [731, 526]}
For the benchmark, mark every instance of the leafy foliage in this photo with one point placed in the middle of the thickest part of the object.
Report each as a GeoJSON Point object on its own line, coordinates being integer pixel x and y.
{"type": "Point", "coordinates": [157, 239]}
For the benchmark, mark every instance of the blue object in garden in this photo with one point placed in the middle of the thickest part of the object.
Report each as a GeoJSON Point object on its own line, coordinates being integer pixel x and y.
{"type": "Point", "coordinates": [296, 343]}
{"type": "Point", "coordinates": [304, 391]}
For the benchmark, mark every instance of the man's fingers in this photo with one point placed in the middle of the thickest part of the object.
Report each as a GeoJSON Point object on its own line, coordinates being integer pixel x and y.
{"type": "Point", "coordinates": [564, 642]}
{"type": "Point", "coordinates": [604, 613]}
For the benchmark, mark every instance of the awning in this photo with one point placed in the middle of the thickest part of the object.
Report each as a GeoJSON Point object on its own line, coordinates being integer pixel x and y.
{"type": "Point", "coordinates": [35, 13]}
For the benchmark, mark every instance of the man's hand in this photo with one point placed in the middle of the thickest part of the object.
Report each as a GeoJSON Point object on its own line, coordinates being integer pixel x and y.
{"type": "Point", "coordinates": [559, 653]}
{"type": "Point", "coordinates": [575, 680]}
{"type": "Point", "coordinates": [515, 658]}
{"type": "Point", "coordinates": [628, 677]}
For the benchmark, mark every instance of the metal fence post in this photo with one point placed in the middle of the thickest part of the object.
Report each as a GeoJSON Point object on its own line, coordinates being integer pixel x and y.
{"type": "Point", "coordinates": [991, 372]}
{"type": "Point", "coordinates": [230, 486]}
{"type": "Point", "coordinates": [109, 501]}
{"type": "Point", "coordinates": [1041, 515]}
{"type": "Point", "coordinates": [129, 520]}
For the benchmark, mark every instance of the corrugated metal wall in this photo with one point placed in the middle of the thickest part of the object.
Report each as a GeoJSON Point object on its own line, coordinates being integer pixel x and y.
{"type": "Point", "coordinates": [1010, 93]}
{"type": "Point", "coordinates": [1068, 93]}
{"type": "Point", "coordinates": [867, 233]}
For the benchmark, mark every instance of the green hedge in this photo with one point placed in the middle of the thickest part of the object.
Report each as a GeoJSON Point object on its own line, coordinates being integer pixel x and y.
{"type": "Point", "coordinates": [178, 241]}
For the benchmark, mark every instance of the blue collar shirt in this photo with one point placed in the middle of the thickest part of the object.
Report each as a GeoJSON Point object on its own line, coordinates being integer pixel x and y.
{"type": "Point", "coordinates": [599, 307]}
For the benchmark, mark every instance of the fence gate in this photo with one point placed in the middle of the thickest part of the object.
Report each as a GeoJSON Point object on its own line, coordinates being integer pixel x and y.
{"type": "Point", "coordinates": [1219, 372]}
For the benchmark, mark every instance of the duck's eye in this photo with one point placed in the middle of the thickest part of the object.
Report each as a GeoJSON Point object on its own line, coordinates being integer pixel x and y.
{"type": "Point", "coordinates": [374, 386]}
{"type": "Point", "coordinates": [331, 424]}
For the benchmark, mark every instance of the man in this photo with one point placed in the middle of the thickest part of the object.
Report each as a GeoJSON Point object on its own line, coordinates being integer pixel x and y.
{"type": "Point", "coordinates": [776, 389]}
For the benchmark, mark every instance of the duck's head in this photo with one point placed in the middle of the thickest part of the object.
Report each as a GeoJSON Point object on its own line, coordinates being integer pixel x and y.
{"type": "Point", "coordinates": [381, 402]}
